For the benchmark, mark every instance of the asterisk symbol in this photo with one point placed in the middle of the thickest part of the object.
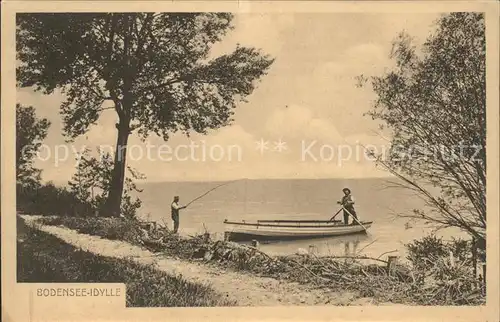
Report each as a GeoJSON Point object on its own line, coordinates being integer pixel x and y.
{"type": "Point", "coordinates": [280, 146]}
{"type": "Point", "coordinates": [262, 145]}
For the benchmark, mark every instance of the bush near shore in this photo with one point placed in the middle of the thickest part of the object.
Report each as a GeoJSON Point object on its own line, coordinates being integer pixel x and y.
{"type": "Point", "coordinates": [430, 278]}
{"type": "Point", "coordinates": [50, 199]}
{"type": "Point", "coordinates": [44, 258]}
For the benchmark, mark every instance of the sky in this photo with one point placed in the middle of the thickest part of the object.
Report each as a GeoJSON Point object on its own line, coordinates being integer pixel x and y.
{"type": "Point", "coordinates": [305, 119]}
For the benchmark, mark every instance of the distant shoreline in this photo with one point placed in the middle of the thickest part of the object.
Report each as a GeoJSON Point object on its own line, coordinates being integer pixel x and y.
{"type": "Point", "coordinates": [271, 179]}
{"type": "Point", "coordinates": [64, 183]}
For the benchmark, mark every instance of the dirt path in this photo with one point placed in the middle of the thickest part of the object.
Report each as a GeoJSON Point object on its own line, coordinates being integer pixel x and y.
{"type": "Point", "coordinates": [244, 288]}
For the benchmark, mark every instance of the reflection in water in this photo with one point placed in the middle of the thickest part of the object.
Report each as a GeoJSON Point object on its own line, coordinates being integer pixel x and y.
{"type": "Point", "coordinates": [351, 244]}
{"type": "Point", "coordinates": [340, 245]}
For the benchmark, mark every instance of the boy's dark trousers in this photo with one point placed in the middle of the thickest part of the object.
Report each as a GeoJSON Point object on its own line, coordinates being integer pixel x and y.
{"type": "Point", "coordinates": [175, 218]}
{"type": "Point", "coordinates": [346, 214]}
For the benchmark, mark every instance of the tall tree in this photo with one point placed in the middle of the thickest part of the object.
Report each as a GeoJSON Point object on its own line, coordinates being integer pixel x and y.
{"type": "Point", "coordinates": [30, 133]}
{"type": "Point", "coordinates": [154, 68]}
{"type": "Point", "coordinates": [434, 103]}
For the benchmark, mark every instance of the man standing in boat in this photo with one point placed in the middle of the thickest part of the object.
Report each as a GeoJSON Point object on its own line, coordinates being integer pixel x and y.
{"type": "Point", "coordinates": [348, 203]}
{"type": "Point", "coordinates": [175, 207]}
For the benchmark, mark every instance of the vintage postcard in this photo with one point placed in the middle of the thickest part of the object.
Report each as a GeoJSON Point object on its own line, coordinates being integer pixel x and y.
{"type": "Point", "coordinates": [244, 160]}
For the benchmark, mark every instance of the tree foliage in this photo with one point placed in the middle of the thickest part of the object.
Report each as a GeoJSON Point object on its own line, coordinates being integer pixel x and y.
{"type": "Point", "coordinates": [154, 70]}
{"type": "Point", "coordinates": [155, 62]}
{"type": "Point", "coordinates": [434, 103]}
{"type": "Point", "coordinates": [30, 133]}
{"type": "Point", "coordinates": [91, 183]}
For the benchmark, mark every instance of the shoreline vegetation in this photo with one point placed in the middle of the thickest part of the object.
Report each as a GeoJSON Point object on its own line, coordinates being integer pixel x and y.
{"type": "Point", "coordinates": [43, 258]}
{"type": "Point", "coordinates": [435, 273]}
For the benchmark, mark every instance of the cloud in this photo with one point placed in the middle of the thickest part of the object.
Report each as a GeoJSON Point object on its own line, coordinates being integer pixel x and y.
{"type": "Point", "coordinates": [299, 122]}
{"type": "Point", "coordinates": [339, 74]}
{"type": "Point", "coordinates": [259, 30]}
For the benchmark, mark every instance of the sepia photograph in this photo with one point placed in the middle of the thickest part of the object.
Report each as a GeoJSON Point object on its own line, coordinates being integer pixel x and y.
{"type": "Point", "coordinates": [253, 159]}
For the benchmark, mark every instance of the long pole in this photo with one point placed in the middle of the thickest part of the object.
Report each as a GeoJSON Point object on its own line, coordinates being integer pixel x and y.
{"type": "Point", "coordinates": [206, 193]}
{"type": "Point", "coordinates": [335, 214]}
{"type": "Point", "coordinates": [354, 218]}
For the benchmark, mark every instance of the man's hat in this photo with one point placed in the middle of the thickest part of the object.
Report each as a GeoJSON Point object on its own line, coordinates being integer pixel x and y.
{"type": "Point", "coordinates": [346, 189]}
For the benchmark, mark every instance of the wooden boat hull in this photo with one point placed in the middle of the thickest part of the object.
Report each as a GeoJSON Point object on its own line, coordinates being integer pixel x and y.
{"type": "Point", "coordinates": [290, 229]}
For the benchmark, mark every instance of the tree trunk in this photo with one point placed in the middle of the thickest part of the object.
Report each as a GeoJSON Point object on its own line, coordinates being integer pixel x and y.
{"type": "Point", "coordinates": [123, 108]}
{"type": "Point", "coordinates": [118, 178]}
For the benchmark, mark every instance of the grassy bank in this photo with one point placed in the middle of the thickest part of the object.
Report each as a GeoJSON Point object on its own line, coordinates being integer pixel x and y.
{"type": "Point", "coordinates": [44, 258]}
{"type": "Point", "coordinates": [439, 283]}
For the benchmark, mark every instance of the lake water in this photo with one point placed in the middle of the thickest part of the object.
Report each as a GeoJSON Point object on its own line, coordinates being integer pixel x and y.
{"type": "Point", "coordinates": [294, 199]}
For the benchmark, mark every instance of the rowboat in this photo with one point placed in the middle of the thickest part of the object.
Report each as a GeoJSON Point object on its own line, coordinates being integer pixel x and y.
{"type": "Point", "coordinates": [290, 229]}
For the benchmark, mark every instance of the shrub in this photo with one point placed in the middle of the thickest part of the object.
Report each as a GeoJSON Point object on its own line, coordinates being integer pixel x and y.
{"type": "Point", "coordinates": [50, 200]}
{"type": "Point", "coordinates": [423, 253]}
{"type": "Point", "coordinates": [91, 183]}
{"type": "Point", "coordinates": [447, 279]}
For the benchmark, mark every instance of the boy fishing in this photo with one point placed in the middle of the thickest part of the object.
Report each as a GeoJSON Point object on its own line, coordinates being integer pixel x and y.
{"type": "Point", "coordinates": [175, 207]}
{"type": "Point", "coordinates": [348, 203]}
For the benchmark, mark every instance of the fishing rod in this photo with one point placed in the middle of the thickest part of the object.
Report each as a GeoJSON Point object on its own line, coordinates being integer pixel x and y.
{"type": "Point", "coordinates": [206, 193]}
